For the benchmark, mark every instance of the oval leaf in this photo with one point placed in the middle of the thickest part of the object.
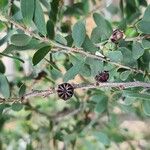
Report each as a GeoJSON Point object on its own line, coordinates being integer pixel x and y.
{"type": "Point", "coordinates": [79, 33]}
{"type": "Point", "coordinates": [73, 71]}
{"type": "Point", "coordinates": [2, 67]}
{"type": "Point", "coordinates": [104, 26]}
{"type": "Point", "coordinates": [115, 56]}
{"type": "Point", "coordinates": [137, 50]}
{"type": "Point", "coordinates": [22, 90]}
{"type": "Point", "coordinates": [39, 18]}
{"type": "Point", "coordinates": [146, 107]}
{"type": "Point", "coordinates": [88, 45]}
{"type": "Point", "coordinates": [20, 39]}
{"type": "Point", "coordinates": [4, 86]}
{"type": "Point", "coordinates": [27, 10]}
{"type": "Point", "coordinates": [144, 26]}
{"type": "Point", "coordinates": [16, 106]}
{"type": "Point", "coordinates": [40, 54]}
{"type": "Point", "coordinates": [60, 39]}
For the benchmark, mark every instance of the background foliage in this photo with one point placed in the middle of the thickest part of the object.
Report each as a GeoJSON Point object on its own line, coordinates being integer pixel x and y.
{"type": "Point", "coordinates": [54, 40]}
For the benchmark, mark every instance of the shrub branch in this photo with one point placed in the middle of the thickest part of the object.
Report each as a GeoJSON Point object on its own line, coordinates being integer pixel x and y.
{"type": "Point", "coordinates": [69, 49]}
{"type": "Point", "coordinates": [48, 92]}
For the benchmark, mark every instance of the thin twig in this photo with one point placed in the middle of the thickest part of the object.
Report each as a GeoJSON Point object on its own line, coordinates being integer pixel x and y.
{"type": "Point", "coordinates": [73, 50]}
{"type": "Point", "coordinates": [123, 85]}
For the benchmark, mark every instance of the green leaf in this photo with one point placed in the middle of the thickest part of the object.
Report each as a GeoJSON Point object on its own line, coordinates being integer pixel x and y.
{"type": "Point", "coordinates": [60, 39]}
{"type": "Point", "coordinates": [88, 45]}
{"type": "Point", "coordinates": [20, 39]}
{"type": "Point", "coordinates": [85, 70]}
{"type": "Point", "coordinates": [115, 56]}
{"type": "Point", "coordinates": [146, 16]}
{"type": "Point", "coordinates": [79, 33]}
{"type": "Point", "coordinates": [101, 101]}
{"type": "Point", "coordinates": [146, 107]}
{"type": "Point", "coordinates": [137, 50]}
{"type": "Point", "coordinates": [54, 10]}
{"type": "Point", "coordinates": [97, 35]}
{"type": "Point", "coordinates": [27, 10]}
{"type": "Point", "coordinates": [144, 26]}
{"type": "Point", "coordinates": [127, 57]}
{"type": "Point", "coordinates": [50, 29]}
{"type": "Point", "coordinates": [73, 71]}
{"type": "Point", "coordinates": [95, 65]}
{"type": "Point", "coordinates": [103, 25]}
{"type": "Point", "coordinates": [75, 9]}
{"type": "Point", "coordinates": [2, 67]}
{"type": "Point", "coordinates": [2, 26]}
{"type": "Point", "coordinates": [133, 94]}
{"type": "Point", "coordinates": [22, 90]}
{"type": "Point", "coordinates": [146, 44]}
{"type": "Point", "coordinates": [4, 86]}
{"type": "Point", "coordinates": [102, 137]}
{"type": "Point", "coordinates": [40, 54]}
{"type": "Point", "coordinates": [124, 75]}
{"type": "Point", "coordinates": [2, 107]}
{"type": "Point", "coordinates": [3, 3]}
{"type": "Point", "coordinates": [39, 18]}
{"type": "Point", "coordinates": [32, 45]}
{"type": "Point", "coordinates": [16, 106]}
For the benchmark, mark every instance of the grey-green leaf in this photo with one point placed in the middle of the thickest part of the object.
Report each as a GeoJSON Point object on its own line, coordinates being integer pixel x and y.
{"type": "Point", "coordinates": [40, 54]}
{"type": "Point", "coordinates": [146, 44]}
{"type": "Point", "coordinates": [115, 56]}
{"type": "Point", "coordinates": [20, 39]}
{"type": "Point", "coordinates": [79, 33]}
{"type": "Point", "coordinates": [88, 45]}
{"type": "Point", "coordinates": [137, 50]}
{"type": "Point", "coordinates": [95, 66]}
{"type": "Point", "coordinates": [124, 75]}
{"type": "Point", "coordinates": [146, 16]}
{"type": "Point", "coordinates": [27, 10]}
{"type": "Point", "coordinates": [102, 137]}
{"type": "Point", "coordinates": [4, 86]}
{"type": "Point", "coordinates": [60, 39]}
{"type": "Point", "coordinates": [39, 18]}
{"type": "Point", "coordinates": [73, 71]}
{"type": "Point", "coordinates": [103, 24]}
{"type": "Point", "coordinates": [127, 57]}
{"type": "Point", "coordinates": [146, 107]}
{"type": "Point", "coordinates": [144, 26]}
{"type": "Point", "coordinates": [17, 106]}
{"type": "Point", "coordinates": [101, 101]}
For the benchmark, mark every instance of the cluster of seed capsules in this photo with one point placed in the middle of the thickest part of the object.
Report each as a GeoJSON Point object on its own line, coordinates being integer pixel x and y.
{"type": "Point", "coordinates": [66, 90]}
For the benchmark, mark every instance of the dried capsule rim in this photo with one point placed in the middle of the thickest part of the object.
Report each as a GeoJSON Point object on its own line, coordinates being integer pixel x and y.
{"type": "Point", "coordinates": [65, 91]}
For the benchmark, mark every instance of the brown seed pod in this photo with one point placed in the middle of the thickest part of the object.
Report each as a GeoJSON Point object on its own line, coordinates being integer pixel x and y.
{"type": "Point", "coordinates": [65, 91]}
{"type": "Point", "coordinates": [102, 76]}
{"type": "Point", "coordinates": [116, 35]}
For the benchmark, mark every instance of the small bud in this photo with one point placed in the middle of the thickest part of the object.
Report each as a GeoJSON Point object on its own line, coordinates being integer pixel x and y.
{"type": "Point", "coordinates": [116, 35]}
{"type": "Point", "coordinates": [102, 76]}
{"type": "Point", "coordinates": [65, 91]}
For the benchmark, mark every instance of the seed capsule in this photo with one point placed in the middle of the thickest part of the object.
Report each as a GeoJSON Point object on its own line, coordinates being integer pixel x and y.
{"type": "Point", "coordinates": [65, 91]}
{"type": "Point", "coordinates": [116, 35]}
{"type": "Point", "coordinates": [102, 76]}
